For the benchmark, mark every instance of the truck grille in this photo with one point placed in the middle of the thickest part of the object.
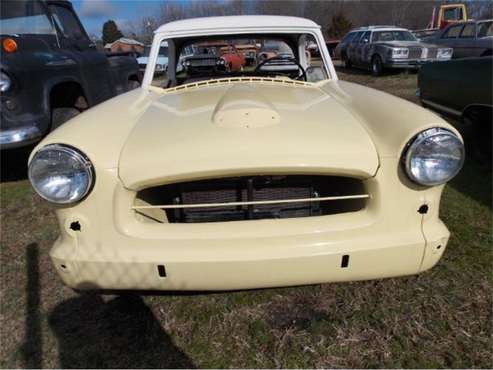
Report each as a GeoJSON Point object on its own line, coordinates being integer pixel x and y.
{"type": "Point", "coordinates": [253, 198]}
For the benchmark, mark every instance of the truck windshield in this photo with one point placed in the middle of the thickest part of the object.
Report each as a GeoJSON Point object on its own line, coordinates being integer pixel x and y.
{"type": "Point", "coordinates": [393, 36]}
{"type": "Point", "coordinates": [24, 17]}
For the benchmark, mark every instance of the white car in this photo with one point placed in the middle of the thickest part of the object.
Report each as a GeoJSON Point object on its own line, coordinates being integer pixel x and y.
{"type": "Point", "coordinates": [162, 60]}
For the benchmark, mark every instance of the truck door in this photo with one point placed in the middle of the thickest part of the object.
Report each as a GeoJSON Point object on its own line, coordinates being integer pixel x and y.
{"type": "Point", "coordinates": [93, 65]}
{"type": "Point", "coordinates": [465, 42]}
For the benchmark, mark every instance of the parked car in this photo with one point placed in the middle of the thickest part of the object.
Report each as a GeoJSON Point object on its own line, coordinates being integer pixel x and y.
{"type": "Point", "coordinates": [462, 89]}
{"type": "Point", "coordinates": [162, 60]}
{"type": "Point", "coordinates": [249, 52]}
{"type": "Point", "coordinates": [50, 70]}
{"type": "Point", "coordinates": [380, 47]}
{"type": "Point", "coordinates": [205, 58]}
{"type": "Point", "coordinates": [246, 179]}
{"type": "Point", "coordinates": [233, 60]}
{"type": "Point", "coordinates": [468, 39]}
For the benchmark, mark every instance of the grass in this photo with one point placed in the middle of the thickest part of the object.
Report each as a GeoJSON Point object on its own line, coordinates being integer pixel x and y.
{"type": "Point", "coordinates": [441, 318]}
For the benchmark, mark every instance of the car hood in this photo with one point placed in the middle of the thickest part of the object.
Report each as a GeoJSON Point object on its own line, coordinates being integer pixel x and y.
{"type": "Point", "coordinates": [406, 44]}
{"type": "Point", "coordinates": [227, 129]}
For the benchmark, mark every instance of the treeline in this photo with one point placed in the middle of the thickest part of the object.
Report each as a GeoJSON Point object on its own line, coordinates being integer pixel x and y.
{"type": "Point", "coordinates": [405, 13]}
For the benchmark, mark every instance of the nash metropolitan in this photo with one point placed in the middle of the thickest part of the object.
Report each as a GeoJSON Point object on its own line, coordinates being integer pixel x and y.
{"type": "Point", "coordinates": [275, 175]}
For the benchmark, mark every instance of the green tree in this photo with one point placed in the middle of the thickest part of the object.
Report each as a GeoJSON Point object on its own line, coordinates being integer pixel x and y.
{"type": "Point", "coordinates": [339, 26]}
{"type": "Point", "coordinates": [111, 32]}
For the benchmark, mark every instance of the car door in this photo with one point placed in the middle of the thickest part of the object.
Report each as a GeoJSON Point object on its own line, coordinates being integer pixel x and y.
{"type": "Point", "coordinates": [352, 48]}
{"type": "Point", "coordinates": [364, 49]}
{"type": "Point", "coordinates": [93, 65]}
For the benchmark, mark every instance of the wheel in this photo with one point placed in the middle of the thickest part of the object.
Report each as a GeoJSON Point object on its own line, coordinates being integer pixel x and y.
{"type": "Point", "coordinates": [376, 66]}
{"type": "Point", "coordinates": [61, 115]}
{"type": "Point", "coordinates": [132, 84]}
{"type": "Point", "coordinates": [346, 62]}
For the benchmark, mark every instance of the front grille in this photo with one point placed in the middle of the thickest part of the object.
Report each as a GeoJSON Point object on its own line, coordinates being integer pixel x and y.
{"type": "Point", "coordinates": [297, 196]}
{"type": "Point", "coordinates": [432, 53]}
{"type": "Point", "coordinates": [414, 53]}
{"type": "Point", "coordinates": [142, 66]}
{"type": "Point", "coordinates": [203, 62]}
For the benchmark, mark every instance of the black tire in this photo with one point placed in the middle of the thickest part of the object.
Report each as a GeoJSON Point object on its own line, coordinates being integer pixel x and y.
{"type": "Point", "coordinates": [132, 84]}
{"type": "Point", "coordinates": [346, 62]}
{"type": "Point", "coordinates": [61, 115]}
{"type": "Point", "coordinates": [376, 65]}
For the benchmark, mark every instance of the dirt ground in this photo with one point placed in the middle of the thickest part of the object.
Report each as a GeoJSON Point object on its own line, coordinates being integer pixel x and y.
{"type": "Point", "coordinates": [441, 318]}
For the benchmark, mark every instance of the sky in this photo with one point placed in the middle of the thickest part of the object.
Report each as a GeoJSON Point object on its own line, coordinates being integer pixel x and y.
{"type": "Point", "coordinates": [93, 13]}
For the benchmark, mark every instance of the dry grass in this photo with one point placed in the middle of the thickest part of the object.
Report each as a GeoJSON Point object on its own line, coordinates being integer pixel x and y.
{"type": "Point", "coordinates": [441, 318]}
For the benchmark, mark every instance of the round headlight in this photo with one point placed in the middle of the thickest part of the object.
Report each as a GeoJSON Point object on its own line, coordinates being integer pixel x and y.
{"type": "Point", "coordinates": [434, 157]}
{"type": "Point", "coordinates": [61, 174]}
{"type": "Point", "coordinates": [5, 82]}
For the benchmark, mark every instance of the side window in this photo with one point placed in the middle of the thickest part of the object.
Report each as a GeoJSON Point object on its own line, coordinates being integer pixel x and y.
{"type": "Point", "coordinates": [452, 32]}
{"type": "Point", "coordinates": [468, 31]}
{"type": "Point", "coordinates": [348, 37]}
{"type": "Point", "coordinates": [356, 37]}
{"type": "Point", "coordinates": [485, 29]}
{"type": "Point", "coordinates": [315, 70]}
{"type": "Point", "coordinates": [365, 39]}
{"type": "Point", "coordinates": [66, 21]}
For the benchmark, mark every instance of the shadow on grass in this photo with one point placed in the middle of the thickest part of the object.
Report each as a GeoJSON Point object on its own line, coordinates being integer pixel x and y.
{"type": "Point", "coordinates": [31, 348]}
{"type": "Point", "coordinates": [475, 181]}
{"type": "Point", "coordinates": [121, 333]}
{"type": "Point", "coordinates": [14, 163]}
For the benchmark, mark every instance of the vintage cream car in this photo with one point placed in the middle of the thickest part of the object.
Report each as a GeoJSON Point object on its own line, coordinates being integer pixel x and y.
{"type": "Point", "coordinates": [255, 178]}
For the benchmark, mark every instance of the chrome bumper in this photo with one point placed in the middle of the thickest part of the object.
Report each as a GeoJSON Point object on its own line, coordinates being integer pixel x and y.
{"type": "Point", "coordinates": [20, 136]}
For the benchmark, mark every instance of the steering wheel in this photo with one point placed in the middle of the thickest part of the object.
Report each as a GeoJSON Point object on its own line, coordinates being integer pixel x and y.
{"type": "Point", "coordinates": [293, 60]}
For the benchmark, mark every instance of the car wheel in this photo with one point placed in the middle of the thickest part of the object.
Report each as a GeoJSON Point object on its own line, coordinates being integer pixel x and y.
{"type": "Point", "coordinates": [346, 62]}
{"type": "Point", "coordinates": [61, 115]}
{"type": "Point", "coordinates": [376, 66]}
{"type": "Point", "coordinates": [132, 84]}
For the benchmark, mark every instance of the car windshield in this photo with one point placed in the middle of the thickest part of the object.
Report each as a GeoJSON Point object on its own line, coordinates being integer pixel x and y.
{"type": "Point", "coordinates": [393, 36]}
{"type": "Point", "coordinates": [24, 17]}
{"type": "Point", "coordinates": [213, 57]}
{"type": "Point", "coordinates": [485, 29]}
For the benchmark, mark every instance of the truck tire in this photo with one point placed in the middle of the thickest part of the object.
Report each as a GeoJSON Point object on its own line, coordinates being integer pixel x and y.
{"type": "Point", "coordinates": [61, 115]}
{"type": "Point", "coordinates": [376, 65]}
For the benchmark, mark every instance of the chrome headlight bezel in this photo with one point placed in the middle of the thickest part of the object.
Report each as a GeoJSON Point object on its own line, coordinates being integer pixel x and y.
{"type": "Point", "coordinates": [83, 162]}
{"type": "Point", "coordinates": [397, 53]}
{"type": "Point", "coordinates": [444, 53]}
{"type": "Point", "coordinates": [420, 139]}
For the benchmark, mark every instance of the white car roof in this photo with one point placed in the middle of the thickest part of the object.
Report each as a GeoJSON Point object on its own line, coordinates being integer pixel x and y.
{"type": "Point", "coordinates": [236, 23]}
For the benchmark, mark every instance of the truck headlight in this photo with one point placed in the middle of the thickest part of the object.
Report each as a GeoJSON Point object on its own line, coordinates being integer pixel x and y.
{"type": "Point", "coordinates": [5, 82]}
{"type": "Point", "coordinates": [61, 174]}
{"type": "Point", "coordinates": [434, 157]}
{"type": "Point", "coordinates": [400, 52]}
{"type": "Point", "coordinates": [445, 53]}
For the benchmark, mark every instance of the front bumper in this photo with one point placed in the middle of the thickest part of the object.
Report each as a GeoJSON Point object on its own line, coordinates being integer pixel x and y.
{"type": "Point", "coordinates": [408, 63]}
{"type": "Point", "coordinates": [19, 136]}
{"type": "Point", "coordinates": [114, 250]}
